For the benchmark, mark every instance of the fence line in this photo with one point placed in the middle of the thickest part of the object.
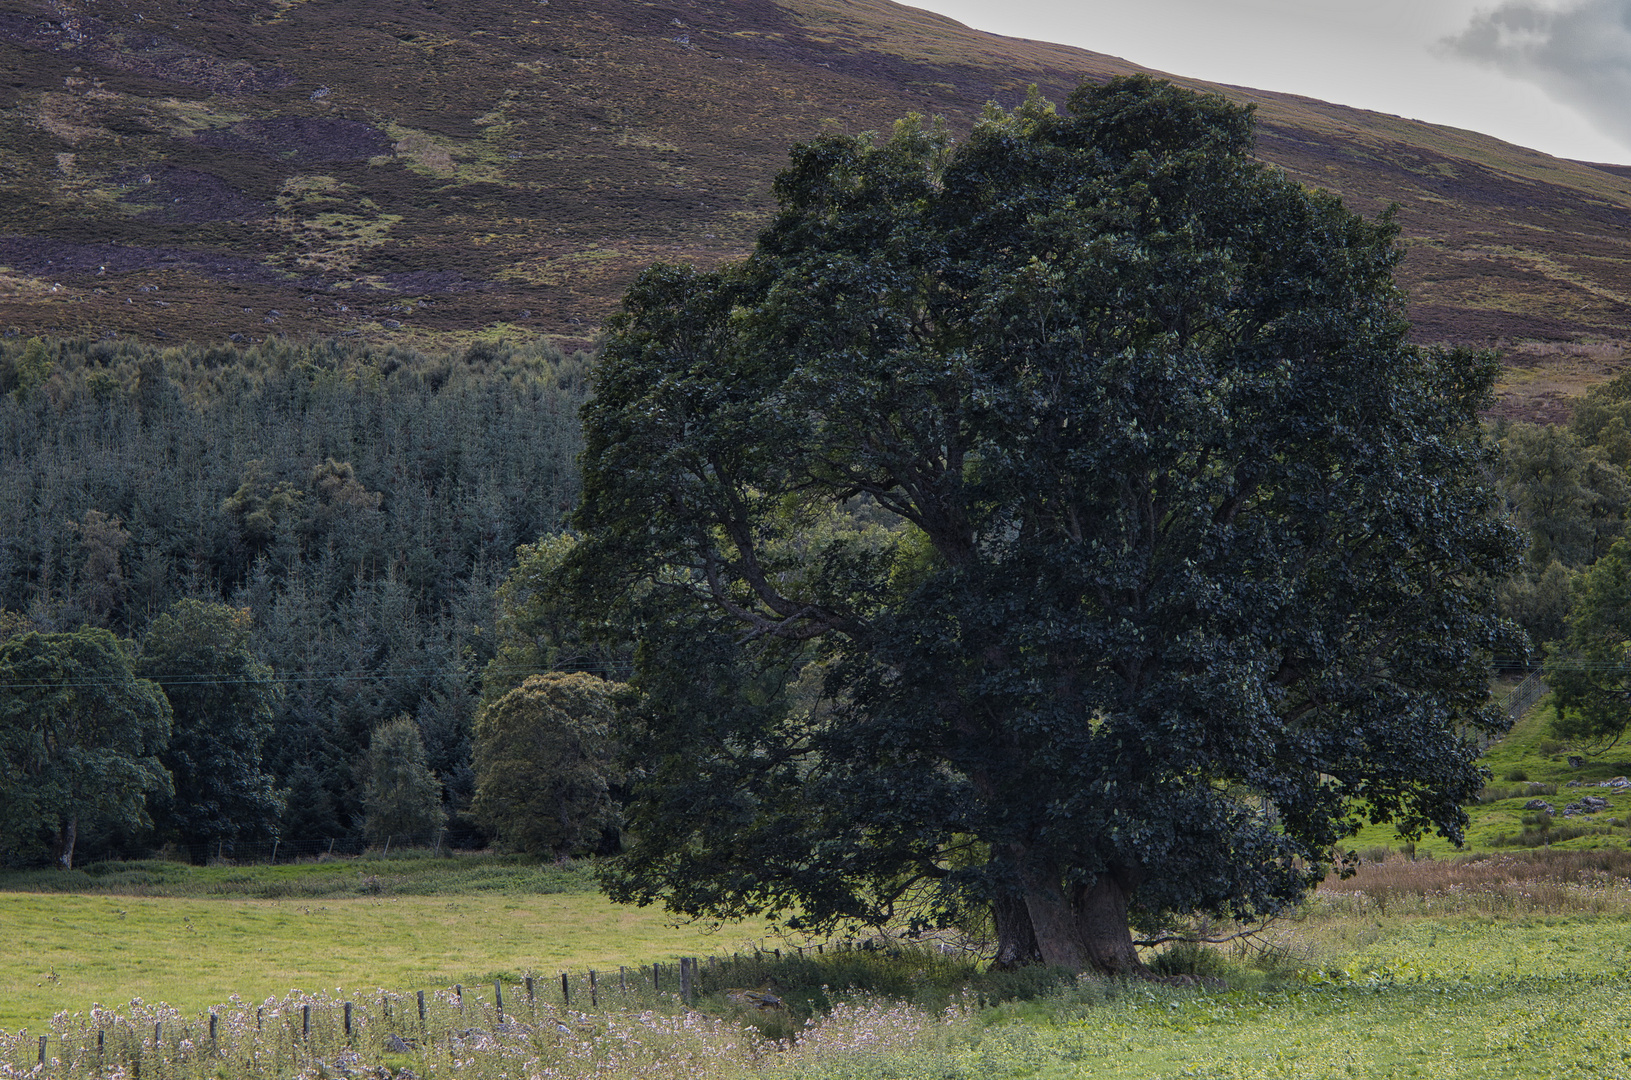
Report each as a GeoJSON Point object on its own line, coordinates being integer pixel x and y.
{"type": "Point", "coordinates": [272, 1038]}
{"type": "Point", "coordinates": [1523, 696]}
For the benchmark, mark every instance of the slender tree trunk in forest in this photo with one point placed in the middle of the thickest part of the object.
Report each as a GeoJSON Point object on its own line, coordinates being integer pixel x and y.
{"type": "Point", "coordinates": [67, 833]}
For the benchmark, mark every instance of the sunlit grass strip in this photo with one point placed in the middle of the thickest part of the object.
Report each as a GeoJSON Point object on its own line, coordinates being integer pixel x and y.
{"type": "Point", "coordinates": [65, 952]}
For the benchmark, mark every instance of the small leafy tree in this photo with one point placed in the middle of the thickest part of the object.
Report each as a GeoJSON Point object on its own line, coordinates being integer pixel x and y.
{"type": "Point", "coordinates": [223, 700]}
{"type": "Point", "coordinates": [537, 631]}
{"type": "Point", "coordinates": [546, 763]}
{"type": "Point", "coordinates": [80, 738]}
{"type": "Point", "coordinates": [402, 796]}
{"type": "Point", "coordinates": [1590, 670]}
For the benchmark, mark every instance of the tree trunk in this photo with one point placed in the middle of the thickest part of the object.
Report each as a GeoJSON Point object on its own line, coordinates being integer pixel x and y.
{"type": "Point", "coordinates": [66, 835]}
{"type": "Point", "coordinates": [1016, 938]}
{"type": "Point", "coordinates": [1101, 916]}
{"type": "Point", "coordinates": [1058, 938]}
{"type": "Point", "coordinates": [1084, 927]}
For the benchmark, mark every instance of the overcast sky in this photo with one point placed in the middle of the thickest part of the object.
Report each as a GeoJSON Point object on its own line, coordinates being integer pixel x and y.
{"type": "Point", "coordinates": [1554, 75]}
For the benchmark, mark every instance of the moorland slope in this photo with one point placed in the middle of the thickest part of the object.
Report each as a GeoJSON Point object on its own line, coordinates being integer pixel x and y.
{"type": "Point", "coordinates": [422, 171]}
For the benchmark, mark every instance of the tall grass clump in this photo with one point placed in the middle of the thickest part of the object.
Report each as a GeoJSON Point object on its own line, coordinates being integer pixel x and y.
{"type": "Point", "coordinates": [1550, 882]}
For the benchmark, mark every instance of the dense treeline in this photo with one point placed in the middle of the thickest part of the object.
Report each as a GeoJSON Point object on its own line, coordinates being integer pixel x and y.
{"type": "Point", "coordinates": [1570, 488]}
{"type": "Point", "coordinates": [1569, 491]}
{"type": "Point", "coordinates": [329, 532]}
{"type": "Point", "coordinates": [361, 503]}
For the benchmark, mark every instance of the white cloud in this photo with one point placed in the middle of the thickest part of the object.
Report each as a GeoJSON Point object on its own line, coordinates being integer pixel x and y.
{"type": "Point", "coordinates": [1580, 55]}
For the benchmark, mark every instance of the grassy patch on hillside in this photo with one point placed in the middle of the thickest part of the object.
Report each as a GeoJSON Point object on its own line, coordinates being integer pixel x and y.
{"type": "Point", "coordinates": [1531, 764]}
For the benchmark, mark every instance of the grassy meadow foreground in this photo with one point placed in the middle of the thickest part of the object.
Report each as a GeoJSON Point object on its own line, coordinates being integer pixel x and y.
{"type": "Point", "coordinates": [192, 937]}
{"type": "Point", "coordinates": [1495, 965]}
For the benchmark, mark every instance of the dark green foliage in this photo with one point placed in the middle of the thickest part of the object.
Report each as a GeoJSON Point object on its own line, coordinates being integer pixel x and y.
{"type": "Point", "coordinates": [401, 796]}
{"type": "Point", "coordinates": [807, 981]}
{"type": "Point", "coordinates": [223, 701]}
{"type": "Point", "coordinates": [1569, 496]}
{"type": "Point", "coordinates": [1590, 673]}
{"type": "Point", "coordinates": [79, 739]}
{"type": "Point", "coordinates": [536, 631]}
{"type": "Point", "coordinates": [1539, 602]}
{"type": "Point", "coordinates": [1190, 958]}
{"type": "Point", "coordinates": [362, 503]}
{"type": "Point", "coordinates": [545, 761]}
{"type": "Point", "coordinates": [1059, 522]}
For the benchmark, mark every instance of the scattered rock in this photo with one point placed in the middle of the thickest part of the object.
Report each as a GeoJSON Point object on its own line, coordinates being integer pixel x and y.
{"type": "Point", "coordinates": [1576, 761]}
{"type": "Point", "coordinates": [1539, 804]}
{"type": "Point", "coordinates": [1574, 783]}
{"type": "Point", "coordinates": [1591, 804]}
{"type": "Point", "coordinates": [395, 1044]}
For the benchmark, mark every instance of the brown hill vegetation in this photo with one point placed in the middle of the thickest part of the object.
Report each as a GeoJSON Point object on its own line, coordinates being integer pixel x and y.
{"type": "Point", "coordinates": [432, 172]}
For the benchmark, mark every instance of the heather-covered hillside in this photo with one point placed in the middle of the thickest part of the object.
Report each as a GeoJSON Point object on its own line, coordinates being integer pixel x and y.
{"type": "Point", "coordinates": [425, 172]}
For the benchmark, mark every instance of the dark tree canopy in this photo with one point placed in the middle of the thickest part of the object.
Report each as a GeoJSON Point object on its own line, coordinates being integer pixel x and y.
{"type": "Point", "coordinates": [1589, 671]}
{"type": "Point", "coordinates": [80, 736]}
{"type": "Point", "coordinates": [1057, 521]}
{"type": "Point", "coordinates": [222, 700]}
{"type": "Point", "coordinates": [546, 764]}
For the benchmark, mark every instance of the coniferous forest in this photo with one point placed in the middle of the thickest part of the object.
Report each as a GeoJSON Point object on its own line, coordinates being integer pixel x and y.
{"type": "Point", "coordinates": [351, 508]}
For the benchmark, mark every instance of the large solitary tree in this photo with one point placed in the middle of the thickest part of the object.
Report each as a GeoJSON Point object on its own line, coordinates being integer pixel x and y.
{"type": "Point", "coordinates": [1058, 521]}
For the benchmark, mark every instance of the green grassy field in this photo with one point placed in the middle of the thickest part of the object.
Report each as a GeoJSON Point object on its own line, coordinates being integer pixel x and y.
{"type": "Point", "coordinates": [215, 934]}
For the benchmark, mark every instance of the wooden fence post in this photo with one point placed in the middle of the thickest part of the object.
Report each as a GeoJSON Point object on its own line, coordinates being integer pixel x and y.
{"type": "Point", "coordinates": [622, 978]}
{"type": "Point", "coordinates": [158, 1035]}
{"type": "Point", "coordinates": [498, 998]}
{"type": "Point", "coordinates": [532, 1001]}
{"type": "Point", "coordinates": [594, 996]}
{"type": "Point", "coordinates": [214, 1049]}
{"type": "Point", "coordinates": [305, 1022]}
{"type": "Point", "coordinates": [421, 1008]}
{"type": "Point", "coordinates": [348, 1020]}
{"type": "Point", "coordinates": [656, 984]}
{"type": "Point", "coordinates": [566, 990]}
{"type": "Point", "coordinates": [42, 1049]}
{"type": "Point", "coordinates": [685, 980]}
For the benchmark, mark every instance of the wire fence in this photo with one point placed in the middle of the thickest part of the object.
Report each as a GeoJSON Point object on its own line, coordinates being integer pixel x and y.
{"type": "Point", "coordinates": [1522, 697]}
{"type": "Point", "coordinates": [302, 1032]}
